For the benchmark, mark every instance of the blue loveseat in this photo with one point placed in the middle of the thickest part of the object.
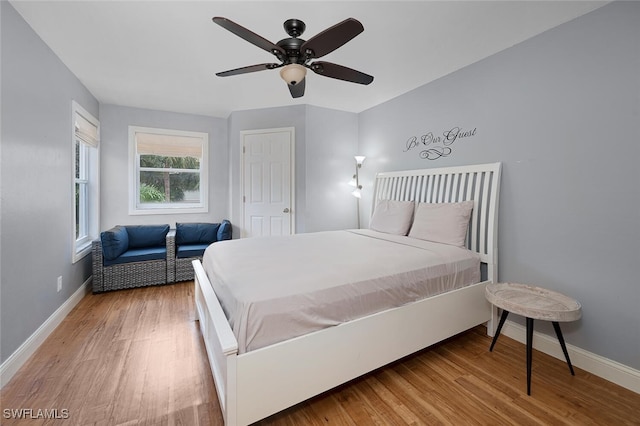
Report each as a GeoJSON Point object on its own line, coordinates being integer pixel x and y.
{"type": "Point", "coordinates": [191, 241]}
{"type": "Point", "coordinates": [133, 256]}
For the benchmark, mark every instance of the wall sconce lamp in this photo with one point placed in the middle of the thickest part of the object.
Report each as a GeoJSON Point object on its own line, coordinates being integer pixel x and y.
{"type": "Point", "coordinates": [355, 181]}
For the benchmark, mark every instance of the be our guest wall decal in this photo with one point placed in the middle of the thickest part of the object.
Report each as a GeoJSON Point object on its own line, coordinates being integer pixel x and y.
{"type": "Point", "coordinates": [431, 146]}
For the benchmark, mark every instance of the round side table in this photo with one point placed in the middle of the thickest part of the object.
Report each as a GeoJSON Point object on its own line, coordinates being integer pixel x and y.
{"type": "Point", "coordinates": [533, 303]}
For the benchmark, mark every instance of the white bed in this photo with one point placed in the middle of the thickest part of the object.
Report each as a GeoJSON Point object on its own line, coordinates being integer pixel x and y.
{"type": "Point", "coordinates": [256, 376]}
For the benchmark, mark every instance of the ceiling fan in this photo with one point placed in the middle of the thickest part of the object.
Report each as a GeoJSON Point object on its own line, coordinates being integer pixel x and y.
{"type": "Point", "coordinates": [295, 54]}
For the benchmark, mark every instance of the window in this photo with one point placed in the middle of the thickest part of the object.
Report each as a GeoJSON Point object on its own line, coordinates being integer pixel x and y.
{"type": "Point", "coordinates": [85, 180]}
{"type": "Point", "coordinates": [168, 172]}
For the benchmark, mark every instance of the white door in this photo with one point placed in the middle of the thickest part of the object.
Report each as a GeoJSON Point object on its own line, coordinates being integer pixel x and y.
{"type": "Point", "coordinates": [267, 187]}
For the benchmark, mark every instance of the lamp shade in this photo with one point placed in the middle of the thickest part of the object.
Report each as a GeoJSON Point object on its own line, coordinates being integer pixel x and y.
{"type": "Point", "coordinates": [360, 159]}
{"type": "Point", "coordinates": [357, 193]}
{"type": "Point", "coordinates": [293, 73]}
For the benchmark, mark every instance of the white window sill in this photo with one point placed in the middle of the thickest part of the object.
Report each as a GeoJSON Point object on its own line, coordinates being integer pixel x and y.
{"type": "Point", "coordinates": [81, 252]}
{"type": "Point", "coordinates": [137, 212]}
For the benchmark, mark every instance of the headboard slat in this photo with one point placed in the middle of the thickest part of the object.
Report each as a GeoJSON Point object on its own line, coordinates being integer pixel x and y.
{"type": "Point", "coordinates": [476, 197]}
{"type": "Point", "coordinates": [484, 213]}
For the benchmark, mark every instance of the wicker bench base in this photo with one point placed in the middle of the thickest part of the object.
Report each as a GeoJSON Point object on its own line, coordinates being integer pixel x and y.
{"type": "Point", "coordinates": [132, 275]}
{"type": "Point", "coordinates": [184, 268]}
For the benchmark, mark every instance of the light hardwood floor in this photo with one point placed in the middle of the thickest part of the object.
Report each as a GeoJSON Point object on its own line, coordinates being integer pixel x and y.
{"type": "Point", "coordinates": [135, 357]}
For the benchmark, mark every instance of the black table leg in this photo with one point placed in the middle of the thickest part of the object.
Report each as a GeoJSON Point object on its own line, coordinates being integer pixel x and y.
{"type": "Point", "coordinates": [503, 318]}
{"type": "Point", "coordinates": [529, 352]}
{"type": "Point", "coordinates": [556, 326]}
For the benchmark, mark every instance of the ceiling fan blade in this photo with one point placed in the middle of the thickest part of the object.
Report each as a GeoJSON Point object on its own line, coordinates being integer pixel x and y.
{"type": "Point", "coordinates": [250, 36]}
{"type": "Point", "coordinates": [250, 68]}
{"type": "Point", "coordinates": [297, 90]}
{"type": "Point", "coordinates": [340, 72]}
{"type": "Point", "coordinates": [333, 37]}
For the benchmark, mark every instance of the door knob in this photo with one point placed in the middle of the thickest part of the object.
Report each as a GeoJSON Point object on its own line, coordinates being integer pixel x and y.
{"type": "Point", "coordinates": [286, 210]}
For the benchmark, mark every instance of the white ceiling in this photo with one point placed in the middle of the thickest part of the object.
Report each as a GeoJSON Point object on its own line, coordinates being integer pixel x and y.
{"type": "Point", "coordinates": [163, 55]}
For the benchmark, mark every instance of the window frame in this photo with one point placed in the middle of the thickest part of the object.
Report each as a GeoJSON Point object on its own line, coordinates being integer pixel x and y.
{"type": "Point", "coordinates": [85, 227]}
{"type": "Point", "coordinates": [135, 207]}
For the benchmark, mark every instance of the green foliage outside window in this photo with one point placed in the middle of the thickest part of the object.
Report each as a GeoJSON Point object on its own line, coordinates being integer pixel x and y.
{"type": "Point", "coordinates": [150, 194]}
{"type": "Point", "coordinates": [161, 185]}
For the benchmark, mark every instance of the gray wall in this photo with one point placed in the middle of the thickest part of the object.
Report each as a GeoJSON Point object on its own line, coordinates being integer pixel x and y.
{"type": "Point", "coordinates": [325, 141]}
{"type": "Point", "coordinates": [37, 169]}
{"type": "Point", "coordinates": [114, 161]}
{"type": "Point", "coordinates": [331, 143]}
{"type": "Point", "coordinates": [561, 111]}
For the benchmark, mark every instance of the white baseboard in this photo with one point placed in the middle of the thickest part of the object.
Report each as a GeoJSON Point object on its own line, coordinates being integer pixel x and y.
{"type": "Point", "coordinates": [12, 364]}
{"type": "Point", "coordinates": [610, 370]}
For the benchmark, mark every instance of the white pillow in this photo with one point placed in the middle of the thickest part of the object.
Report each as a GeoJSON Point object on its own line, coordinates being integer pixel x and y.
{"type": "Point", "coordinates": [392, 217]}
{"type": "Point", "coordinates": [442, 222]}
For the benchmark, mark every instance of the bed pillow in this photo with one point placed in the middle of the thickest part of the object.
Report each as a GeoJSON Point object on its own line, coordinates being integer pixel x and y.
{"type": "Point", "coordinates": [442, 222]}
{"type": "Point", "coordinates": [392, 217]}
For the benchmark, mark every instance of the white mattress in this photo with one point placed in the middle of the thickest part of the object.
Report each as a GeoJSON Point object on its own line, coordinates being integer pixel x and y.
{"type": "Point", "coordinates": [276, 288]}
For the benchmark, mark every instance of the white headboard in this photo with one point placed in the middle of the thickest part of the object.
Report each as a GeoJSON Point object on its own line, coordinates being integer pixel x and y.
{"type": "Point", "coordinates": [480, 183]}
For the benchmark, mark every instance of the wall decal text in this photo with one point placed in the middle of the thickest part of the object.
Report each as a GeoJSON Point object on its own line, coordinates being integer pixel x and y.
{"type": "Point", "coordinates": [433, 147]}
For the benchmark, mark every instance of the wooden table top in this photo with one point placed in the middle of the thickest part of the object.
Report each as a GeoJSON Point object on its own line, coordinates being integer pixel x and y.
{"type": "Point", "coordinates": [533, 302]}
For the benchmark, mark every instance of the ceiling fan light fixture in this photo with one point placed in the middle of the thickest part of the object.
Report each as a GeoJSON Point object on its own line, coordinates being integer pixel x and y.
{"type": "Point", "coordinates": [293, 73]}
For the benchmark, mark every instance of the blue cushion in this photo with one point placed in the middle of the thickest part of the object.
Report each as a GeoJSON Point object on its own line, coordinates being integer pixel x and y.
{"type": "Point", "coordinates": [115, 241]}
{"type": "Point", "coordinates": [191, 250]}
{"type": "Point", "coordinates": [139, 255]}
{"type": "Point", "coordinates": [143, 236]}
{"type": "Point", "coordinates": [196, 233]}
{"type": "Point", "coordinates": [224, 231]}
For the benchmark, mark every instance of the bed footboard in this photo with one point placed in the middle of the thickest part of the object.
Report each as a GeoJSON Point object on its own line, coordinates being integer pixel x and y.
{"type": "Point", "coordinates": [314, 363]}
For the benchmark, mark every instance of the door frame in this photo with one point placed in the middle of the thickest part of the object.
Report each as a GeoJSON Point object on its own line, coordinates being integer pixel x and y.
{"type": "Point", "coordinates": [292, 173]}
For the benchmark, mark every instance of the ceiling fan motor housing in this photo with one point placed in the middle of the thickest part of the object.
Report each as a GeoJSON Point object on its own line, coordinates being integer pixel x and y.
{"type": "Point", "coordinates": [292, 47]}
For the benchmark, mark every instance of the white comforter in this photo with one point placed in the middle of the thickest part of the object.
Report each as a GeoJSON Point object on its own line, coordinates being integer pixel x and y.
{"type": "Point", "coordinates": [276, 288]}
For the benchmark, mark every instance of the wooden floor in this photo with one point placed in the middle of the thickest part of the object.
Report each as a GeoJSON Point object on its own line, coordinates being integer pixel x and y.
{"type": "Point", "coordinates": [135, 357]}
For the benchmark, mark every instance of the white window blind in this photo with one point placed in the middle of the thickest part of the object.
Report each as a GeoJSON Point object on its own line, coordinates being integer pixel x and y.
{"type": "Point", "coordinates": [168, 145]}
{"type": "Point", "coordinates": [86, 131]}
